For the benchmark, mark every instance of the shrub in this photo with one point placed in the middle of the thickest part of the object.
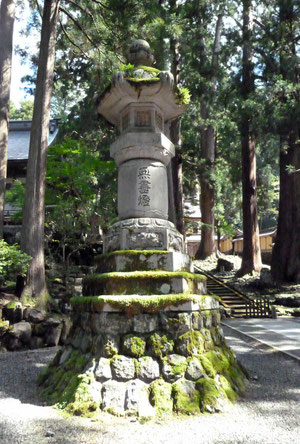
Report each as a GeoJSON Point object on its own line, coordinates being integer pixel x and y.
{"type": "Point", "coordinates": [13, 261]}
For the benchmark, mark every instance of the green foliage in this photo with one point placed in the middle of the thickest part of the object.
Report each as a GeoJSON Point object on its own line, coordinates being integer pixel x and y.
{"type": "Point", "coordinates": [23, 112]}
{"type": "Point", "coordinates": [12, 262]}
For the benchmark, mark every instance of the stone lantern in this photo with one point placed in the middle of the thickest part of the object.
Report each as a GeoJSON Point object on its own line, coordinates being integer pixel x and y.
{"type": "Point", "coordinates": [141, 105]}
{"type": "Point", "coordinates": [146, 338]}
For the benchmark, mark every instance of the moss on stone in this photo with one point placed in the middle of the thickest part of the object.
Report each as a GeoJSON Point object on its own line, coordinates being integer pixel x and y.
{"type": "Point", "coordinates": [160, 344]}
{"type": "Point", "coordinates": [161, 397]}
{"type": "Point", "coordinates": [209, 394]}
{"type": "Point", "coordinates": [186, 401]}
{"type": "Point", "coordinates": [227, 387]}
{"type": "Point", "coordinates": [136, 304]}
{"type": "Point", "coordinates": [139, 282]}
{"type": "Point", "coordinates": [4, 324]}
{"type": "Point", "coordinates": [145, 275]}
{"type": "Point", "coordinates": [13, 305]}
{"type": "Point", "coordinates": [190, 343]}
{"type": "Point", "coordinates": [134, 346]}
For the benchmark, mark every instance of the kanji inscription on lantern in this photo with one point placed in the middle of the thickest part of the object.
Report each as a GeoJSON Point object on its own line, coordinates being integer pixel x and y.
{"type": "Point", "coordinates": [144, 187]}
{"type": "Point", "coordinates": [143, 118]}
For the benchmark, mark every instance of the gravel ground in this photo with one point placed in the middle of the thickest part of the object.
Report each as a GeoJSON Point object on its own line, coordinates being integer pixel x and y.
{"type": "Point", "coordinates": [268, 413]}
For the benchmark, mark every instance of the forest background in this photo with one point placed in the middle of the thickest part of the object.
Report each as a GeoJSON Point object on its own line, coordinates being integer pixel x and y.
{"type": "Point", "coordinates": [210, 49]}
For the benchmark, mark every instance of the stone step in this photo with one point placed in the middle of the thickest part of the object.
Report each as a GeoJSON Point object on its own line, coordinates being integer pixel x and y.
{"type": "Point", "coordinates": [142, 261]}
{"type": "Point", "coordinates": [144, 283]}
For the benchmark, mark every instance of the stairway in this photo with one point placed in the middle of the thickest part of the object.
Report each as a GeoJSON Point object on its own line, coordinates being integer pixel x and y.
{"type": "Point", "coordinates": [240, 305]}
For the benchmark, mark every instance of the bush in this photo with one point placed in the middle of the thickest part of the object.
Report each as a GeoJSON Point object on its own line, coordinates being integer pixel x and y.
{"type": "Point", "coordinates": [13, 262]}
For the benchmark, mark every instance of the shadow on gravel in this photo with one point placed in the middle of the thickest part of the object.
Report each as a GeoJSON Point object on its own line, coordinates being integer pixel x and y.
{"type": "Point", "coordinates": [19, 371]}
{"type": "Point", "coordinates": [274, 379]}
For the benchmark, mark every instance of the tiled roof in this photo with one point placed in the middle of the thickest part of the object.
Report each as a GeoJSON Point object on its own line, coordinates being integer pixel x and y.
{"type": "Point", "coordinates": [19, 138]}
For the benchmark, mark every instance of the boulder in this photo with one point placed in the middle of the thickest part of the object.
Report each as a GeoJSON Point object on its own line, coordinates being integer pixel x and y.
{"type": "Point", "coordinates": [21, 331]}
{"type": "Point", "coordinates": [13, 312]}
{"type": "Point", "coordinates": [34, 315]}
{"type": "Point", "coordinates": [224, 265]}
{"type": "Point", "coordinates": [123, 368]}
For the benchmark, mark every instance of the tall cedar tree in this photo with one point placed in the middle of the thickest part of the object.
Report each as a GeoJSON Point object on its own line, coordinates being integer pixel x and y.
{"type": "Point", "coordinates": [175, 166]}
{"type": "Point", "coordinates": [7, 17]}
{"type": "Point", "coordinates": [286, 252]}
{"type": "Point", "coordinates": [251, 258]}
{"type": "Point", "coordinates": [208, 148]}
{"type": "Point", "coordinates": [32, 235]}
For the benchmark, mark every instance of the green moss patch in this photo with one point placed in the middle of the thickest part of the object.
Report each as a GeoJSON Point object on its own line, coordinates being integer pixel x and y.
{"type": "Point", "coordinates": [160, 345]}
{"type": "Point", "coordinates": [160, 396]}
{"type": "Point", "coordinates": [135, 304]}
{"type": "Point", "coordinates": [186, 397]}
{"type": "Point", "coordinates": [134, 346]}
{"type": "Point", "coordinates": [190, 343]}
{"type": "Point", "coordinates": [212, 396]}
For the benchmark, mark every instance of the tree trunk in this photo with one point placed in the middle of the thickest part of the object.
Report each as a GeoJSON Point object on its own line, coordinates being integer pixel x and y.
{"type": "Point", "coordinates": [7, 17]}
{"type": "Point", "coordinates": [285, 264]}
{"type": "Point", "coordinates": [32, 236]}
{"type": "Point", "coordinates": [208, 151]}
{"type": "Point", "coordinates": [251, 258]}
{"type": "Point", "coordinates": [175, 168]}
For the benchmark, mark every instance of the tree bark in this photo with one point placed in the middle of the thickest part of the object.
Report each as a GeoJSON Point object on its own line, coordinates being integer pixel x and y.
{"type": "Point", "coordinates": [32, 235]}
{"type": "Point", "coordinates": [208, 154]}
{"type": "Point", "coordinates": [251, 258]}
{"type": "Point", "coordinates": [7, 17]}
{"type": "Point", "coordinates": [285, 264]}
{"type": "Point", "coordinates": [175, 168]}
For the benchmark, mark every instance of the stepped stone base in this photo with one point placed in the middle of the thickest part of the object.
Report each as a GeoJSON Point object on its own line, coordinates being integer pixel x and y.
{"type": "Point", "coordinates": [143, 283]}
{"type": "Point", "coordinates": [143, 261]}
{"type": "Point", "coordinates": [144, 364]}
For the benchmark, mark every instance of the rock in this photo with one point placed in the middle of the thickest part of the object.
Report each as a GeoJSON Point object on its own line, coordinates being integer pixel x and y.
{"type": "Point", "coordinates": [13, 312]}
{"type": "Point", "coordinates": [176, 324]}
{"type": "Point", "coordinates": [103, 370]}
{"type": "Point", "coordinates": [194, 370]}
{"type": "Point", "coordinates": [113, 397]}
{"type": "Point", "coordinates": [190, 343]}
{"type": "Point", "coordinates": [67, 325]}
{"type": "Point", "coordinates": [224, 265]}
{"type": "Point", "coordinates": [174, 367]}
{"type": "Point", "coordinates": [186, 397]}
{"type": "Point", "coordinates": [65, 355]}
{"type": "Point", "coordinates": [21, 331]}
{"type": "Point", "coordinates": [123, 368]}
{"type": "Point", "coordinates": [134, 346]}
{"type": "Point", "coordinates": [266, 277]}
{"type": "Point", "coordinates": [111, 323]}
{"type": "Point", "coordinates": [144, 323]}
{"type": "Point", "coordinates": [12, 343]}
{"type": "Point", "coordinates": [53, 333]}
{"type": "Point", "coordinates": [160, 344]}
{"type": "Point", "coordinates": [4, 326]}
{"type": "Point", "coordinates": [34, 315]}
{"type": "Point", "coordinates": [107, 345]}
{"type": "Point", "coordinates": [36, 342]}
{"type": "Point", "coordinates": [137, 399]}
{"type": "Point", "coordinates": [148, 369]}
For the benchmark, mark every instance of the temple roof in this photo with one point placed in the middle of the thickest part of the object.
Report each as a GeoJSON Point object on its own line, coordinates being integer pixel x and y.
{"type": "Point", "coordinates": [19, 137]}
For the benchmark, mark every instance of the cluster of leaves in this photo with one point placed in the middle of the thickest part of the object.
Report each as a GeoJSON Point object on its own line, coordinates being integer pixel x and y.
{"type": "Point", "coordinates": [13, 262]}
